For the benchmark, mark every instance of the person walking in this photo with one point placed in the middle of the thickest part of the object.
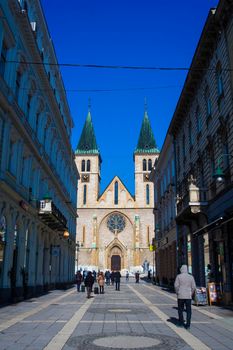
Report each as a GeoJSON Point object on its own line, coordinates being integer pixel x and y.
{"type": "Point", "coordinates": [137, 277]}
{"type": "Point", "coordinates": [117, 279]}
{"type": "Point", "coordinates": [127, 276]}
{"type": "Point", "coordinates": [100, 280]}
{"type": "Point", "coordinates": [79, 279]}
{"type": "Point", "coordinates": [185, 287]}
{"type": "Point", "coordinates": [112, 277]}
{"type": "Point", "coordinates": [89, 281]}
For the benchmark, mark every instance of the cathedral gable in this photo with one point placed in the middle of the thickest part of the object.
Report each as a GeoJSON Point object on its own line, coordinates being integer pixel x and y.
{"type": "Point", "coordinates": [116, 195]}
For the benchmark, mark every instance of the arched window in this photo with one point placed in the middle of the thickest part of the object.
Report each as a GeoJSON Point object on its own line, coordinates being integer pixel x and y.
{"type": "Point", "coordinates": [144, 165]}
{"type": "Point", "coordinates": [85, 194]}
{"type": "Point", "coordinates": [3, 59]}
{"type": "Point", "coordinates": [208, 102]}
{"type": "Point", "coordinates": [190, 135]}
{"type": "Point", "coordinates": [88, 165]}
{"type": "Point", "coordinates": [83, 165]}
{"type": "Point", "coordinates": [149, 164]}
{"type": "Point", "coordinates": [219, 79]}
{"type": "Point", "coordinates": [184, 146]}
{"type": "Point", "coordinates": [116, 193]}
{"type": "Point", "coordinates": [198, 120]}
{"type": "Point", "coordinates": [17, 84]}
{"type": "Point", "coordinates": [147, 194]}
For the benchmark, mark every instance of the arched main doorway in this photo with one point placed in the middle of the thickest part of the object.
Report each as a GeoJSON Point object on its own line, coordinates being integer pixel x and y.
{"type": "Point", "coordinates": [115, 262]}
{"type": "Point", "coordinates": [116, 258]}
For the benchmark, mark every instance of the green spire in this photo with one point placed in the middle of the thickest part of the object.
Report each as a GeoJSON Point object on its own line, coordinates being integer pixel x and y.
{"type": "Point", "coordinates": [146, 141]}
{"type": "Point", "coordinates": [87, 142]}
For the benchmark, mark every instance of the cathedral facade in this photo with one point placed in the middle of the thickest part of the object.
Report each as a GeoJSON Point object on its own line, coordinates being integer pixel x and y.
{"type": "Point", "coordinates": [115, 228]}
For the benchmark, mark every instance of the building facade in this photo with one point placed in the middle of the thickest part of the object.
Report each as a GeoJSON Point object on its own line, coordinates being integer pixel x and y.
{"type": "Point", "coordinates": [115, 228]}
{"type": "Point", "coordinates": [201, 133]}
{"type": "Point", "coordinates": [163, 176]}
{"type": "Point", "coordinates": [38, 176]}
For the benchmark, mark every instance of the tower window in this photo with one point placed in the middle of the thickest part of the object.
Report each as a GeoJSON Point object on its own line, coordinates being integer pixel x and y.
{"type": "Point", "coordinates": [85, 194]}
{"type": "Point", "coordinates": [149, 164]}
{"type": "Point", "coordinates": [83, 165]}
{"type": "Point", "coordinates": [116, 193]}
{"type": "Point", "coordinates": [144, 165]}
{"type": "Point", "coordinates": [147, 194]}
{"type": "Point", "coordinates": [88, 165]}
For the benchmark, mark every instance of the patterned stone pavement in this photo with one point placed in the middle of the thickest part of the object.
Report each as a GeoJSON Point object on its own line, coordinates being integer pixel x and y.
{"type": "Point", "coordinates": [140, 316]}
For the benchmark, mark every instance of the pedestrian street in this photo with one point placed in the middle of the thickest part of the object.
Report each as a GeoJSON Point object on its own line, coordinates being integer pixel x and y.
{"type": "Point", "coordinates": [139, 316]}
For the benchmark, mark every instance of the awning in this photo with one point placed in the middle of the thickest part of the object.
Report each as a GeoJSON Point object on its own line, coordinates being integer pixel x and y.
{"type": "Point", "coordinates": [209, 226]}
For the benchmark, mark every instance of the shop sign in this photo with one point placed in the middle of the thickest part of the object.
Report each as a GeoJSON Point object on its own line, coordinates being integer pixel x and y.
{"type": "Point", "coordinates": [201, 296]}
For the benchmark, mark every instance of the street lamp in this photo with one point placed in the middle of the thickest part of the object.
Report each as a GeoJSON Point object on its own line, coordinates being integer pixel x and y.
{"type": "Point", "coordinates": [219, 173]}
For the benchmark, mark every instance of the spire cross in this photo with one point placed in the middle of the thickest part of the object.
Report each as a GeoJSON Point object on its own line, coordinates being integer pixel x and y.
{"type": "Point", "coordinates": [89, 104]}
{"type": "Point", "coordinates": [145, 104]}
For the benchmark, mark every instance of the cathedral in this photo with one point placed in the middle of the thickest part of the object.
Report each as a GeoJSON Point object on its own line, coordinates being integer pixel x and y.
{"type": "Point", "coordinates": [115, 228]}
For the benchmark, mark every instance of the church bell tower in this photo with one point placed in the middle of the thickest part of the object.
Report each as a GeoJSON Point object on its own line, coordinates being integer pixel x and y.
{"type": "Point", "coordinates": [144, 158]}
{"type": "Point", "coordinates": [88, 160]}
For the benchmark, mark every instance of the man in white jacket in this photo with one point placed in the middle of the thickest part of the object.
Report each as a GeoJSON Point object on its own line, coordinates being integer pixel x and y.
{"type": "Point", "coordinates": [185, 287]}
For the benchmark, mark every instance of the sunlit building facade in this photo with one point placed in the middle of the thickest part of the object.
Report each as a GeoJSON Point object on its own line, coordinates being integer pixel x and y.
{"type": "Point", "coordinates": [38, 176]}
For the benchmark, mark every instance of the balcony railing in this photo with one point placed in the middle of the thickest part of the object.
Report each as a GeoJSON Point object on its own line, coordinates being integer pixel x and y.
{"type": "Point", "coordinates": [51, 215]}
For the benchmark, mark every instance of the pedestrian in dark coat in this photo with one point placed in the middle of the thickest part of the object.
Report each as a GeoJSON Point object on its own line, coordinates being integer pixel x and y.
{"type": "Point", "coordinates": [112, 277]}
{"type": "Point", "coordinates": [137, 277]}
{"type": "Point", "coordinates": [185, 287]}
{"type": "Point", "coordinates": [79, 279]}
{"type": "Point", "coordinates": [117, 276]}
{"type": "Point", "coordinates": [89, 281]}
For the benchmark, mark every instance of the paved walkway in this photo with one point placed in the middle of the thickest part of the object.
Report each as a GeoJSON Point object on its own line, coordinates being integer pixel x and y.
{"type": "Point", "coordinates": [140, 316]}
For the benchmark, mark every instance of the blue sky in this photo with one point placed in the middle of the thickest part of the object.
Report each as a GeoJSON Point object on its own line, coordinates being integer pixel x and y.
{"type": "Point", "coordinates": [160, 33]}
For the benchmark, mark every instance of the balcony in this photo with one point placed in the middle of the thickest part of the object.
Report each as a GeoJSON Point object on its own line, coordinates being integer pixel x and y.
{"type": "Point", "coordinates": [51, 215]}
{"type": "Point", "coordinates": [192, 203]}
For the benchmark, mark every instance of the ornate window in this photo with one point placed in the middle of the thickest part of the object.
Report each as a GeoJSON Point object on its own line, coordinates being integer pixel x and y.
{"type": "Point", "coordinates": [88, 165]}
{"type": "Point", "coordinates": [116, 223]}
{"type": "Point", "coordinates": [198, 120]}
{"type": "Point", "coordinates": [17, 84]}
{"type": "Point", "coordinates": [85, 194]}
{"type": "Point", "coordinates": [144, 165]}
{"type": "Point", "coordinates": [219, 79]}
{"type": "Point", "coordinates": [149, 164]}
{"type": "Point", "coordinates": [116, 193]}
{"type": "Point", "coordinates": [3, 59]}
{"type": "Point", "coordinates": [208, 102]}
{"type": "Point", "coordinates": [190, 135]}
{"type": "Point", "coordinates": [184, 146]}
{"type": "Point", "coordinates": [147, 194]}
{"type": "Point", "coordinates": [83, 165]}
